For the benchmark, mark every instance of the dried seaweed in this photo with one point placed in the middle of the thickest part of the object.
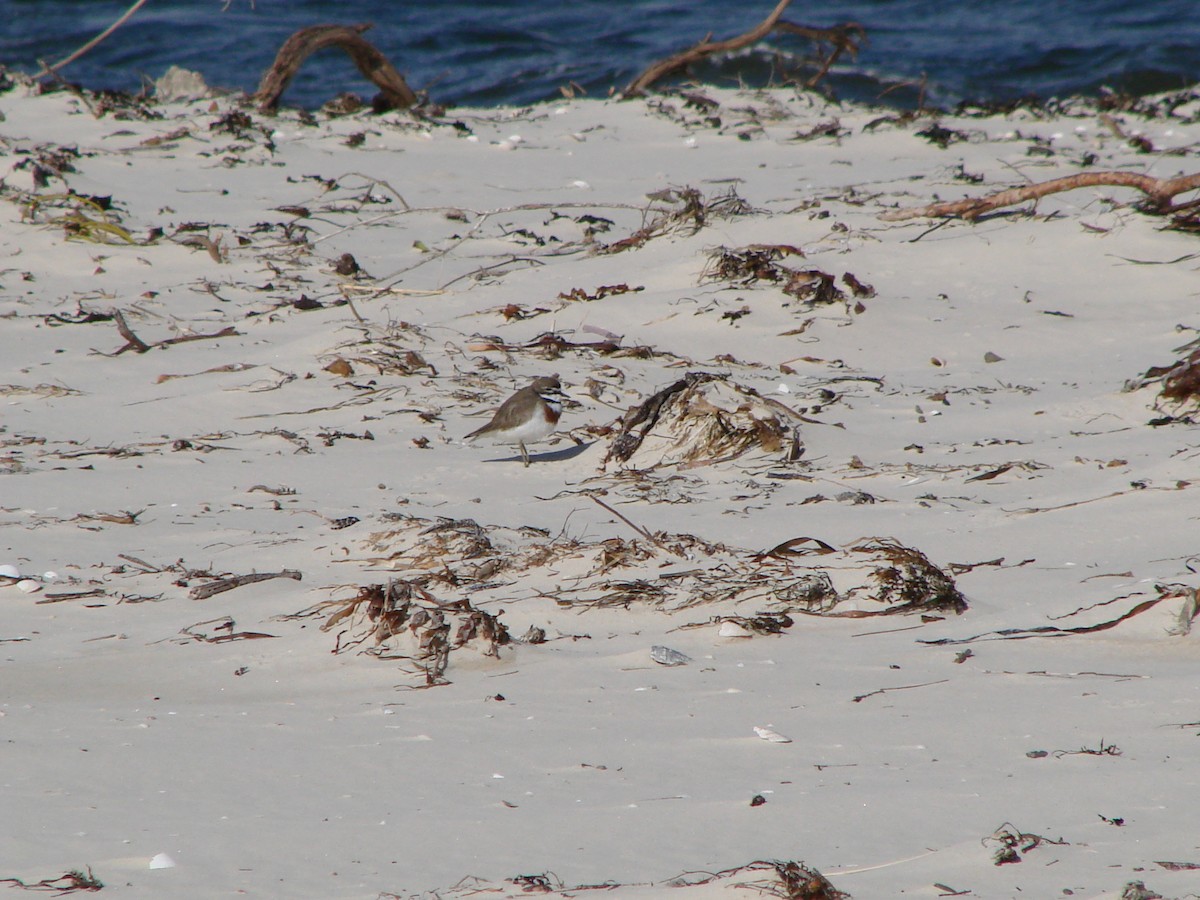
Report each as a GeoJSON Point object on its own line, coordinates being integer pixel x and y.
{"type": "Point", "coordinates": [605, 290]}
{"type": "Point", "coordinates": [943, 137]}
{"type": "Point", "coordinates": [702, 419]}
{"type": "Point", "coordinates": [744, 267]}
{"type": "Point", "coordinates": [814, 287]}
{"type": "Point", "coordinates": [405, 621]}
{"type": "Point", "coordinates": [68, 883]}
{"type": "Point", "coordinates": [761, 262]}
{"type": "Point", "coordinates": [799, 882]}
{"type": "Point", "coordinates": [220, 624]}
{"type": "Point", "coordinates": [551, 345]}
{"type": "Point", "coordinates": [688, 212]}
{"type": "Point", "coordinates": [1189, 608]}
{"type": "Point", "coordinates": [1012, 843]}
{"type": "Point", "coordinates": [791, 880]}
{"type": "Point", "coordinates": [82, 217]}
{"type": "Point", "coordinates": [1179, 394]}
{"type": "Point", "coordinates": [47, 161]}
{"type": "Point", "coordinates": [764, 623]}
{"type": "Point", "coordinates": [617, 553]}
{"type": "Point", "coordinates": [779, 878]}
{"type": "Point", "coordinates": [911, 583]}
{"type": "Point", "coordinates": [873, 577]}
{"type": "Point", "coordinates": [1103, 750]}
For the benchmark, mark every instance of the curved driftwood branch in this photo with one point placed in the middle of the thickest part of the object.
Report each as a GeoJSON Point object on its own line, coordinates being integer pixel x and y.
{"type": "Point", "coordinates": [1159, 192]}
{"type": "Point", "coordinates": [843, 37]}
{"type": "Point", "coordinates": [366, 57]}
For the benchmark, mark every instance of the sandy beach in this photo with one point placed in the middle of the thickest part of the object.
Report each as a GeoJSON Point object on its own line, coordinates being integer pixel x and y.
{"type": "Point", "coordinates": [857, 547]}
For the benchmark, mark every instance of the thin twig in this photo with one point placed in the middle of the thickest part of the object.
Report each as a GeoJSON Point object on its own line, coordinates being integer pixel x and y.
{"type": "Point", "coordinates": [841, 36]}
{"type": "Point", "coordinates": [50, 70]}
{"type": "Point", "coordinates": [642, 531]}
{"type": "Point", "coordinates": [902, 687]}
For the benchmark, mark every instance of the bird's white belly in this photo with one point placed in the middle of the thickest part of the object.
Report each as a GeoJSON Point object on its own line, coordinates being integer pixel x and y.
{"type": "Point", "coordinates": [533, 430]}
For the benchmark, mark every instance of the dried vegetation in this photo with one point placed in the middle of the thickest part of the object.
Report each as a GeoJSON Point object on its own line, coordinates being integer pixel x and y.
{"type": "Point", "coordinates": [703, 419]}
{"type": "Point", "coordinates": [404, 621]}
{"type": "Point", "coordinates": [762, 591]}
{"type": "Point", "coordinates": [1178, 397]}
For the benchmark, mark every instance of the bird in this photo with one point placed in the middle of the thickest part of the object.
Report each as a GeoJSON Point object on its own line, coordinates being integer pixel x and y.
{"type": "Point", "coordinates": [528, 415]}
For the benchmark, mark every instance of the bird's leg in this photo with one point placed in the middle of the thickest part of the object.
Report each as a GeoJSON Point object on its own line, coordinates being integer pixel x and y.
{"type": "Point", "coordinates": [524, 453]}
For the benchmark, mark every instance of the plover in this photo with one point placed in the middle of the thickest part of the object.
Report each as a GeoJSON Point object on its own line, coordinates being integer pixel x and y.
{"type": "Point", "coordinates": [528, 415]}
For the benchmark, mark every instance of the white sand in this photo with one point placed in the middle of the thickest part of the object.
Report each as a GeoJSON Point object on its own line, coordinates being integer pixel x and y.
{"type": "Point", "coordinates": [275, 768]}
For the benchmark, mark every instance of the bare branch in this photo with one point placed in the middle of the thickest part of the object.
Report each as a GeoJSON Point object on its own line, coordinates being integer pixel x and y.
{"type": "Point", "coordinates": [67, 60]}
{"type": "Point", "coordinates": [1158, 191]}
{"type": "Point", "coordinates": [204, 591]}
{"type": "Point", "coordinates": [843, 37]}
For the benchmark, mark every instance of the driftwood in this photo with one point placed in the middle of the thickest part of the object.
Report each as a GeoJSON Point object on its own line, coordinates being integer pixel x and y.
{"type": "Point", "coordinates": [306, 41]}
{"type": "Point", "coordinates": [204, 591]}
{"type": "Point", "coordinates": [1158, 191]}
{"type": "Point", "coordinates": [843, 37]}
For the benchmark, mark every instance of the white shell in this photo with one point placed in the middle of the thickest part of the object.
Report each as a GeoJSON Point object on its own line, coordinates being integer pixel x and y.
{"type": "Point", "coordinates": [734, 630]}
{"type": "Point", "coordinates": [773, 736]}
{"type": "Point", "coordinates": [161, 861]}
{"type": "Point", "coordinates": [28, 585]}
{"type": "Point", "coordinates": [665, 656]}
{"type": "Point", "coordinates": [9, 571]}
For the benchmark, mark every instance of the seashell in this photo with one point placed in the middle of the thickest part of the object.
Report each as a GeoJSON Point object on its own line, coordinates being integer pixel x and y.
{"type": "Point", "coordinates": [50, 576]}
{"type": "Point", "coordinates": [773, 736]}
{"type": "Point", "coordinates": [9, 571]}
{"type": "Point", "coordinates": [665, 656]}
{"type": "Point", "coordinates": [733, 629]}
{"type": "Point", "coordinates": [161, 861]}
{"type": "Point", "coordinates": [28, 585]}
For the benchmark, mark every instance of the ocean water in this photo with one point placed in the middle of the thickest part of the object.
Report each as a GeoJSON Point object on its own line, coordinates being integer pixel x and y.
{"type": "Point", "coordinates": [496, 52]}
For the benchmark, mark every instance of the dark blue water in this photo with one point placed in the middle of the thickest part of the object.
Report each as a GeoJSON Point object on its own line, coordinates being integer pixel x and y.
{"type": "Point", "coordinates": [491, 52]}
